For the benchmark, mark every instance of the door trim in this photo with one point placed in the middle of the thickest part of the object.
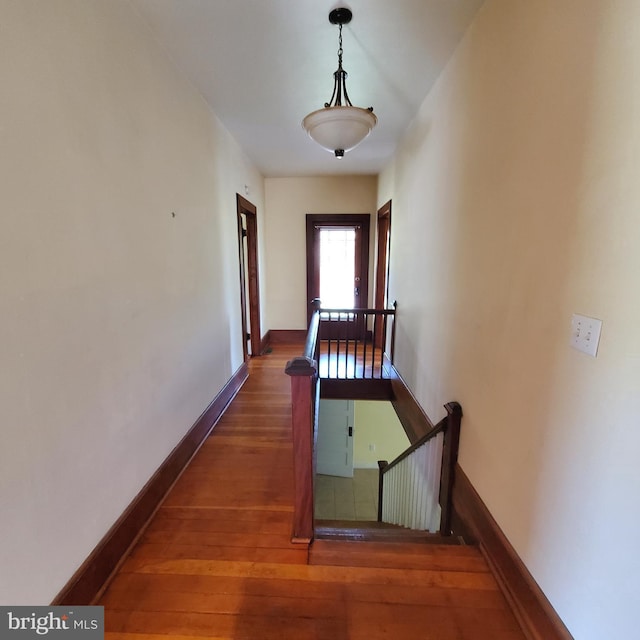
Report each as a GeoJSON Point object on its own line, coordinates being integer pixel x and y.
{"type": "Point", "coordinates": [382, 272]}
{"type": "Point", "coordinates": [250, 272]}
{"type": "Point", "coordinates": [336, 220]}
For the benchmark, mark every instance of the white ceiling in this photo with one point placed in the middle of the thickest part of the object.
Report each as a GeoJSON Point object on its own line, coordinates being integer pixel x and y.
{"type": "Point", "coordinates": [263, 65]}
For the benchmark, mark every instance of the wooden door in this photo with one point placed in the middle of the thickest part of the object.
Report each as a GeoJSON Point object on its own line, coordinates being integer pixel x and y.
{"type": "Point", "coordinates": [335, 438]}
{"type": "Point", "coordinates": [249, 285]}
{"type": "Point", "coordinates": [353, 284]}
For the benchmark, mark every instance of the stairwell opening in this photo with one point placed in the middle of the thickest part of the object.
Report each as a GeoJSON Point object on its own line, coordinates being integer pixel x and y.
{"type": "Point", "coordinates": [353, 435]}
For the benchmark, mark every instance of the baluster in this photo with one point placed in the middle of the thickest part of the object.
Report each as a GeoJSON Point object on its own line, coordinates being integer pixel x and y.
{"type": "Point", "coordinates": [390, 497]}
{"type": "Point", "coordinates": [363, 336]}
{"type": "Point", "coordinates": [435, 465]}
{"type": "Point", "coordinates": [354, 340]}
{"type": "Point", "coordinates": [422, 488]}
{"type": "Point", "coordinates": [392, 348]}
{"type": "Point", "coordinates": [405, 489]}
{"type": "Point", "coordinates": [384, 495]}
{"type": "Point", "coordinates": [384, 343]}
{"type": "Point", "coordinates": [396, 494]}
{"type": "Point", "coordinates": [434, 477]}
{"type": "Point", "coordinates": [373, 320]}
{"type": "Point", "coordinates": [396, 489]}
{"type": "Point", "coordinates": [373, 343]}
{"type": "Point", "coordinates": [432, 496]}
{"type": "Point", "coordinates": [328, 335]}
{"type": "Point", "coordinates": [373, 346]}
{"type": "Point", "coordinates": [413, 491]}
{"type": "Point", "coordinates": [428, 511]}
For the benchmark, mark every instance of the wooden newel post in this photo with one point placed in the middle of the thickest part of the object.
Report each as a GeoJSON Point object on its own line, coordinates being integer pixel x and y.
{"type": "Point", "coordinates": [449, 460]}
{"type": "Point", "coordinates": [303, 373]}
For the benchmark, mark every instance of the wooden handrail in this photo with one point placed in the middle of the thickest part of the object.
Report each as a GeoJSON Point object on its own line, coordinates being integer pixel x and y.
{"type": "Point", "coordinates": [439, 428]}
{"type": "Point", "coordinates": [311, 344]}
{"type": "Point", "coordinates": [376, 312]}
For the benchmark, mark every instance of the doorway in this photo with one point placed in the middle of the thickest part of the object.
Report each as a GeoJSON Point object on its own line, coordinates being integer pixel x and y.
{"type": "Point", "coordinates": [338, 265]}
{"type": "Point", "coordinates": [249, 286]}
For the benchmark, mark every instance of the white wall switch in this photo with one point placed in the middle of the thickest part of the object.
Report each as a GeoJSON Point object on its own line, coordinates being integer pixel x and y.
{"type": "Point", "coordinates": [585, 334]}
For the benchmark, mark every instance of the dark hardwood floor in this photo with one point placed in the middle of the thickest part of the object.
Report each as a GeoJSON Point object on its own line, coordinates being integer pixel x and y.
{"type": "Point", "coordinates": [217, 562]}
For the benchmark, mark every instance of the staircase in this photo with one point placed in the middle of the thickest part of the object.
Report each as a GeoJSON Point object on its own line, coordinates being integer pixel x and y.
{"type": "Point", "coordinates": [393, 555]}
{"type": "Point", "coordinates": [363, 531]}
{"type": "Point", "coordinates": [416, 488]}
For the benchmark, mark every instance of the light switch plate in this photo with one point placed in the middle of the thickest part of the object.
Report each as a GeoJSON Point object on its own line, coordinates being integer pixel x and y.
{"type": "Point", "coordinates": [585, 334]}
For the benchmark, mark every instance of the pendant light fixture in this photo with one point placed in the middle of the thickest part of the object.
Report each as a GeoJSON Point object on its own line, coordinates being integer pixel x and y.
{"type": "Point", "coordinates": [339, 127]}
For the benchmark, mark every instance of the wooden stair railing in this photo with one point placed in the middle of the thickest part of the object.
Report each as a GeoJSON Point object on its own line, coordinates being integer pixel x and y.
{"type": "Point", "coordinates": [356, 343]}
{"type": "Point", "coordinates": [303, 371]}
{"type": "Point", "coordinates": [415, 489]}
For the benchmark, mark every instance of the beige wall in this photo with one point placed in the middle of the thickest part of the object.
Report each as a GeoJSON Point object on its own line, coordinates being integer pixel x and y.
{"type": "Point", "coordinates": [119, 323]}
{"type": "Point", "coordinates": [516, 203]}
{"type": "Point", "coordinates": [376, 423]}
{"type": "Point", "coordinates": [287, 202]}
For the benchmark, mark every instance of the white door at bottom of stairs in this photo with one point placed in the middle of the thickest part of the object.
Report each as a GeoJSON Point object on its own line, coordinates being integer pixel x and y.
{"type": "Point", "coordinates": [335, 438]}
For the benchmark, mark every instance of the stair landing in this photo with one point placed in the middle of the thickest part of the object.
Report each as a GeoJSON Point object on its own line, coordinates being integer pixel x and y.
{"type": "Point", "coordinates": [378, 531]}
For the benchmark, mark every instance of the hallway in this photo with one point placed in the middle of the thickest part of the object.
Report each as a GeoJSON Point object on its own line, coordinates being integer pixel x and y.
{"type": "Point", "coordinates": [216, 561]}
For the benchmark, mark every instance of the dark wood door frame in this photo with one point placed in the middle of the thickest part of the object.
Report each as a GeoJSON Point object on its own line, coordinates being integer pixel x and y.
{"type": "Point", "coordinates": [382, 273]}
{"type": "Point", "coordinates": [337, 220]}
{"type": "Point", "coordinates": [249, 285]}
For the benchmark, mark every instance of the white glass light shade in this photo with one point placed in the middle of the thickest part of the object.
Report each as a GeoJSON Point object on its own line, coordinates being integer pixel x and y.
{"type": "Point", "coordinates": [339, 127]}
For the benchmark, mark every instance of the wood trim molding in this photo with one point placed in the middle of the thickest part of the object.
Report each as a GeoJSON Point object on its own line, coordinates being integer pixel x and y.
{"type": "Point", "coordinates": [89, 581]}
{"type": "Point", "coordinates": [356, 389]}
{"type": "Point", "coordinates": [285, 336]}
{"type": "Point", "coordinates": [534, 612]}
{"type": "Point", "coordinates": [249, 274]}
{"type": "Point", "coordinates": [381, 290]}
{"type": "Point", "coordinates": [415, 421]}
{"type": "Point", "coordinates": [316, 220]}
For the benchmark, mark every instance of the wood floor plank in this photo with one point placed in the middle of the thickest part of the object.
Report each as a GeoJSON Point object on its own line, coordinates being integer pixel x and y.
{"type": "Point", "coordinates": [218, 539]}
{"type": "Point", "coordinates": [110, 635]}
{"type": "Point", "coordinates": [309, 573]}
{"type": "Point", "coordinates": [149, 551]}
{"type": "Point", "coordinates": [238, 627]}
{"type": "Point", "coordinates": [379, 620]}
{"type": "Point", "coordinates": [437, 563]}
{"type": "Point", "coordinates": [229, 603]}
{"type": "Point", "coordinates": [128, 587]}
{"type": "Point", "coordinates": [349, 548]}
{"type": "Point", "coordinates": [200, 520]}
{"type": "Point", "coordinates": [217, 561]}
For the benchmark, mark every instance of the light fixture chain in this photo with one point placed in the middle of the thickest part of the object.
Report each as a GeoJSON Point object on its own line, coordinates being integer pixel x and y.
{"type": "Point", "coordinates": [340, 46]}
